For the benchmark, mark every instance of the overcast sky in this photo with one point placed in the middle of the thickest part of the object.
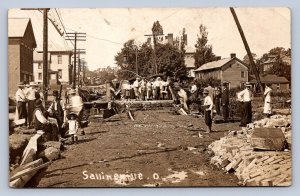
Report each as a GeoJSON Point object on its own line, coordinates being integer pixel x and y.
{"type": "Point", "coordinates": [107, 29]}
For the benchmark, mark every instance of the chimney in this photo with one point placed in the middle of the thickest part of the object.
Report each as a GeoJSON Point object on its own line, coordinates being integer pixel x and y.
{"type": "Point", "coordinates": [232, 55]}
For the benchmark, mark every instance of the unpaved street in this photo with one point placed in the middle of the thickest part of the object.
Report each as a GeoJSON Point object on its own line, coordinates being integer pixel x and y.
{"type": "Point", "coordinates": [157, 149]}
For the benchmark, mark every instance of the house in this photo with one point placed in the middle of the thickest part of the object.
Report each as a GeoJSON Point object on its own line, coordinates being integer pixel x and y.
{"type": "Point", "coordinates": [21, 44]}
{"type": "Point", "coordinates": [277, 83]}
{"type": "Point", "coordinates": [272, 59]}
{"type": "Point", "coordinates": [189, 62]}
{"type": "Point", "coordinates": [232, 70]}
{"type": "Point", "coordinates": [59, 66]}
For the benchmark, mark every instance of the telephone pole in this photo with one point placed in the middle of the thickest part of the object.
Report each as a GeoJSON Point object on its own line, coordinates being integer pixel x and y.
{"type": "Point", "coordinates": [45, 45]}
{"type": "Point", "coordinates": [252, 64]}
{"type": "Point", "coordinates": [75, 37]}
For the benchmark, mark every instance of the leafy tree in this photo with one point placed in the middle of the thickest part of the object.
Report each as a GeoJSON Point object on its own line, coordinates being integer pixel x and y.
{"type": "Point", "coordinates": [156, 30]}
{"type": "Point", "coordinates": [280, 67]}
{"type": "Point", "coordinates": [246, 60]}
{"type": "Point", "coordinates": [204, 53]}
{"type": "Point", "coordinates": [170, 60]}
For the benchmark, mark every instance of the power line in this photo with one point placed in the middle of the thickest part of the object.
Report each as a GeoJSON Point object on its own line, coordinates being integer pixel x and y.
{"type": "Point", "coordinates": [61, 21]}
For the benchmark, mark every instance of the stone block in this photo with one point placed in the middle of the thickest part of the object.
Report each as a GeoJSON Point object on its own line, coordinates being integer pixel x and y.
{"type": "Point", "coordinates": [268, 139]}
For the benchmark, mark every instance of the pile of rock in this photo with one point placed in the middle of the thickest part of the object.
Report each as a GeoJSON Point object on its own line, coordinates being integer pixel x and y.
{"type": "Point", "coordinates": [258, 155]}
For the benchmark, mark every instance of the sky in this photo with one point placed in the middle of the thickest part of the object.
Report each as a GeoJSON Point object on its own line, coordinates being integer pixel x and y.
{"type": "Point", "coordinates": [107, 29]}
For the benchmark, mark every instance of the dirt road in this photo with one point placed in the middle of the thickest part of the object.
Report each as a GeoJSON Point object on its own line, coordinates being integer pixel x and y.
{"type": "Point", "coordinates": [157, 149]}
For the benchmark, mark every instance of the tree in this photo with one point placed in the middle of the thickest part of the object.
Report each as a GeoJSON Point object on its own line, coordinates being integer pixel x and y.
{"type": "Point", "coordinates": [280, 66]}
{"type": "Point", "coordinates": [156, 30]}
{"type": "Point", "coordinates": [246, 60]}
{"type": "Point", "coordinates": [125, 59]}
{"type": "Point", "coordinates": [170, 61]}
{"type": "Point", "coordinates": [204, 53]}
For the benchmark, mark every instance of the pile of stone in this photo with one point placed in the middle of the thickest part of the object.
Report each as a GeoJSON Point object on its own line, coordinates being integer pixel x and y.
{"type": "Point", "coordinates": [258, 155]}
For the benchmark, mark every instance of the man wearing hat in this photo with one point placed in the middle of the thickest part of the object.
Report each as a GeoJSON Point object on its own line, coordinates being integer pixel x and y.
{"type": "Point", "coordinates": [30, 96]}
{"type": "Point", "coordinates": [41, 123]}
{"type": "Point", "coordinates": [136, 86]}
{"type": "Point", "coordinates": [21, 112]}
{"type": "Point", "coordinates": [208, 105]}
{"type": "Point", "coordinates": [225, 101]}
{"type": "Point", "coordinates": [246, 97]}
{"type": "Point", "coordinates": [58, 111]}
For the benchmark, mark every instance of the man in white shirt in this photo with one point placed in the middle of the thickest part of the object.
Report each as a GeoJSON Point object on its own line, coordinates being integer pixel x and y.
{"type": "Point", "coordinates": [246, 97]}
{"type": "Point", "coordinates": [208, 105]}
{"type": "Point", "coordinates": [156, 88]}
{"type": "Point", "coordinates": [30, 96]}
{"type": "Point", "coordinates": [136, 85]}
{"type": "Point", "coordinates": [21, 111]}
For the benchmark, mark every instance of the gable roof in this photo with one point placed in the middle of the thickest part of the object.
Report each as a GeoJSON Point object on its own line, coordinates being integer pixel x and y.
{"type": "Point", "coordinates": [218, 64]}
{"type": "Point", "coordinates": [17, 26]}
{"type": "Point", "coordinates": [214, 64]}
{"type": "Point", "coordinates": [271, 79]}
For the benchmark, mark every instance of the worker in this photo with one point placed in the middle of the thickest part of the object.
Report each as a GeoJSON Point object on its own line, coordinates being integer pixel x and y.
{"type": "Point", "coordinates": [208, 105]}
{"type": "Point", "coordinates": [225, 101]}
{"type": "Point", "coordinates": [21, 111]}
{"type": "Point", "coordinates": [246, 97]}
{"type": "Point", "coordinates": [267, 103]}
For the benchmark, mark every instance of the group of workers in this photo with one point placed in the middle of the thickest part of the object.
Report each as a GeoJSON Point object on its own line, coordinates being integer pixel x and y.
{"type": "Point", "coordinates": [31, 107]}
{"type": "Point", "coordinates": [141, 89]}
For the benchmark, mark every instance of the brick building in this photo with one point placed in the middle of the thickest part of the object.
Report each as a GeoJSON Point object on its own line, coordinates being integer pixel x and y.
{"type": "Point", "coordinates": [21, 43]}
{"type": "Point", "coordinates": [232, 70]}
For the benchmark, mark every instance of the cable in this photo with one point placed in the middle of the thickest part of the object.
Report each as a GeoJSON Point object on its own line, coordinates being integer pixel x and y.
{"type": "Point", "coordinates": [61, 21]}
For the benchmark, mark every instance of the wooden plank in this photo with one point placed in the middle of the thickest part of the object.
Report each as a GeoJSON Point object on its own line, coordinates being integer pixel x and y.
{"type": "Point", "coordinates": [28, 171]}
{"type": "Point", "coordinates": [20, 182]}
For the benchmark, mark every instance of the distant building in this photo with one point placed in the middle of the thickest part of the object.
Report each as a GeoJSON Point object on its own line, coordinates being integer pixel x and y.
{"type": "Point", "coordinates": [232, 70]}
{"type": "Point", "coordinates": [277, 83]}
{"type": "Point", "coordinates": [59, 67]}
{"type": "Point", "coordinates": [21, 44]}
{"type": "Point", "coordinates": [189, 62]}
{"type": "Point", "coordinates": [269, 63]}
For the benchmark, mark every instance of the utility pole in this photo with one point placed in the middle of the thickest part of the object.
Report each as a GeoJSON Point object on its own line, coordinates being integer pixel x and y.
{"type": "Point", "coordinates": [45, 54]}
{"type": "Point", "coordinates": [78, 52]}
{"type": "Point", "coordinates": [45, 45]}
{"type": "Point", "coordinates": [252, 64]}
{"type": "Point", "coordinates": [75, 37]}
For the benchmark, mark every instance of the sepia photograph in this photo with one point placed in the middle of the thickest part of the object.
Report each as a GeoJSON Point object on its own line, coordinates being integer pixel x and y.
{"type": "Point", "coordinates": [149, 97]}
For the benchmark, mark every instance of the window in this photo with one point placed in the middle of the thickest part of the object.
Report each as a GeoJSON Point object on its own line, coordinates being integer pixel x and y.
{"type": "Point", "coordinates": [59, 74]}
{"type": "Point", "coordinates": [242, 74]}
{"type": "Point", "coordinates": [40, 76]}
{"type": "Point", "coordinates": [278, 86]}
{"type": "Point", "coordinates": [59, 59]}
{"type": "Point", "coordinates": [40, 66]}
